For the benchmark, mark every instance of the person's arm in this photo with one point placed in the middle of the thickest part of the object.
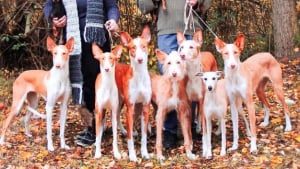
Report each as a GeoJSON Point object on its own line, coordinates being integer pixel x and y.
{"type": "Point", "coordinates": [47, 9]}
{"type": "Point", "coordinates": [113, 14]}
{"type": "Point", "coordinates": [112, 9]}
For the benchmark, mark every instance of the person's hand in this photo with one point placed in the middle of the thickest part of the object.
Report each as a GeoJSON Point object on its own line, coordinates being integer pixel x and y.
{"type": "Point", "coordinates": [192, 2]}
{"type": "Point", "coordinates": [60, 22]}
{"type": "Point", "coordinates": [111, 25]}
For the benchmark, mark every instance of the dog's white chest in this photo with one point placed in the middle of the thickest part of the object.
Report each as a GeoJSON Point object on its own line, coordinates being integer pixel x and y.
{"type": "Point", "coordinates": [173, 101]}
{"type": "Point", "coordinates": [140, 89]}
{"type": "Point", "coordinates": [236, 86]}
{"type": "Point", "coordinates": [58, 85]}
{"type": "Point", "coordinates": [107, 95]}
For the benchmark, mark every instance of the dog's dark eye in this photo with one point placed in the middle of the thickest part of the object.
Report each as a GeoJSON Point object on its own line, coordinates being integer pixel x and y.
{"type": "Point", "coordinates": [169, 63]}
{"type": "Point", "coordinates": [205, 78]}
{"type": "Point", "coordinates": [226, 53]}
{"type": "Point", "coordinates": [180, 48]}
{"type": "Point", "coordinates": [213, 78]}
{"type": "Point", "coordinates": [178, 62]}
{"type": "Point", "coordinates": [191, 47]}
{"type": "Point", "coordinates": [235, 52]}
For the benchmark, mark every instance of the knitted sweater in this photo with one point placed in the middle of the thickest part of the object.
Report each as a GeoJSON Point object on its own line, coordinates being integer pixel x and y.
{"type": "Point", "coordinates": [112, 11]}
{"type": "Point", "coordinates": [171, 20]}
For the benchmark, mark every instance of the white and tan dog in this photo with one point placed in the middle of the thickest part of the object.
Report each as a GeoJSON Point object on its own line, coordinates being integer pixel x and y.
{"type": "Point", "coordinates": [168, 93]}
{"type": "Point", "coordinates": [196, 61]}
{"type": "Point", "coordinates": [53, 85]}
{"type": "Point", "coordinates": [215, 106]}
{"type": "Point", "coordinates": [243, 78]}
{"type": "Point", "coordinates": [107, 96]}
{"type": "Point", "coordinates": [134, 86]}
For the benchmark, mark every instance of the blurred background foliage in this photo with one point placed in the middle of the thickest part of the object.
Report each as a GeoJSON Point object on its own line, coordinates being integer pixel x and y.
{"type": "Point", "coordinates": [23, 30]}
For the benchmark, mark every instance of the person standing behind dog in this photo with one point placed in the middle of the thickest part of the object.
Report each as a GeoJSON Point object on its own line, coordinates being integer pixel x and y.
{"type": "Point", "coordinates": [88, 21]}
{"type": "Point", "coordinates": [169, 21]}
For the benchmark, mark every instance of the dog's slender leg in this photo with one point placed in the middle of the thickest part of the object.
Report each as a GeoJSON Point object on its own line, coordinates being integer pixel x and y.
{"type": "Point", "coordinates": [63, 117]}
{"type": "Point", "coordinates": [130, 141]}
{"type": "Point", "coordinates": [116, 152]}
{"type": "Point", "coordinates": [234, 118]}
{"type": "Point", "coordinates": [223, 130]}
{"type": "Point", "coordinates": [252, 119]}
{"type": "Point", "coordinates": [208, 154]}
{"type": "Point", "coordinates": [32, 103]}
{"type": "Point", "coordinates": [99, 130]}
{"type": "Point", "coordinates": [18, 101]}
{"type": "Point", "coordinates": [184, 113]}
{"type": "Point", "coordinates": [144, 129]}
{"type": "Point", "coordinates": [49, 109]}
{"type": "Point", "coordinates": [160, 118]}
{"type": "Point", "coordinates": [121, 126]}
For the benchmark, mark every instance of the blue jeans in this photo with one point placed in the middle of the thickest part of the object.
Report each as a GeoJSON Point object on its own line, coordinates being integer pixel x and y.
{"type": "Point", "coordinates": [168, 43]}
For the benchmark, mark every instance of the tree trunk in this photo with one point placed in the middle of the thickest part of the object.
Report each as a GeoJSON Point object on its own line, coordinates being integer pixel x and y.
{"type": "Point", "coordinates": [285, 27]}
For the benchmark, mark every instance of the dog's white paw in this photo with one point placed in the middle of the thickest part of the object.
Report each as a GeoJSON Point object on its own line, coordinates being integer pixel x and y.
{"type": "Point", "coordinates": [288, 128]}
{"type": "Point", "coordinates": [2, 141]}
{"type": "Point", "coordinates": [223, 152]}
{"type": "Point", "coordinates": [50, 148]}
{"type": "Point", "coordinates": [145, 155]}
{"type": "Point", "coordinates": [66, 147]}
{"type": "Point", "coordinates": [160, 157]}
{"type": "Point", "coordinates": [191, 156]}
{"type": "Point", "coordinates": [117, 155]}
{"type": "Point", "coordinates": [264, 124]}
{"type": "Point", "coordinates": [97, 154]}
{"type": "Point", "coordinates": [28, 134]}
{"type": "Point", "coordinates": [234, 147]}
{"type": "Point", "coordinates": [132, 157]}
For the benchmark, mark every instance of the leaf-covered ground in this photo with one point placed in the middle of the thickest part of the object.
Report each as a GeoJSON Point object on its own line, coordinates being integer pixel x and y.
{"type": "Point", "coordinates": [277, 149]}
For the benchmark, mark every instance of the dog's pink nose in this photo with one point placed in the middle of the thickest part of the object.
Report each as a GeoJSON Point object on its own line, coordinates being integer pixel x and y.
{"type": "Point", "coordinates": [140, 60]}
{"type": "Point", "coordinates": [174, 74]}
{"type": "Point", "coordinates": [58, 66]}
{"type": "Point", "coordinates": [232, 66]}
{"type": "Point", "coordinates": [182, 56]}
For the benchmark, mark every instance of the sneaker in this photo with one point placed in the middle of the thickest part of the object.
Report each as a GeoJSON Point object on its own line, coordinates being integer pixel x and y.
{"type": "Point", "coordinates": [87, 135]}
{"type": "Point", "coordinates": [169, 140]}
{"type": "Point", "coordinates": [84, 143]}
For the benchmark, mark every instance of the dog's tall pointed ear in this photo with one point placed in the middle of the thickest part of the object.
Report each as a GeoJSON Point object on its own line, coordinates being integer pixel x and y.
{"type": "Point", "coordinates": [219, 44]}
{"type": "Point", "coordinates": [117, 51]}
{"type": "Point", "coordinates": [161, 56]}
{"type": "Point", "coordinates": [50, 44]}
{"type": "Point", "coordinates": [125, 38]}
{"type": "Point", "coordinates": [240, 41]}
{"type": "Point", "coordinates": [198, 37]}
{"type": "Point", "coordinates": [97, 51]}
{"type": "Point", "coordinates": [70, 44]}
{"type": "Point", "coordinates": [180, 37]}
{"type": "Point", "coordinates": [146, 33]}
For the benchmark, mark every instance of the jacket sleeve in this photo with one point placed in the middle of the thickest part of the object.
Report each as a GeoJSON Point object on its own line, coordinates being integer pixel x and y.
{"type": "Point", "coordinates": [47, 9]}
{"type": "Point", "coordinates": [112, 9]}
{"type": "Point", "coordinates": [146, 6]}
